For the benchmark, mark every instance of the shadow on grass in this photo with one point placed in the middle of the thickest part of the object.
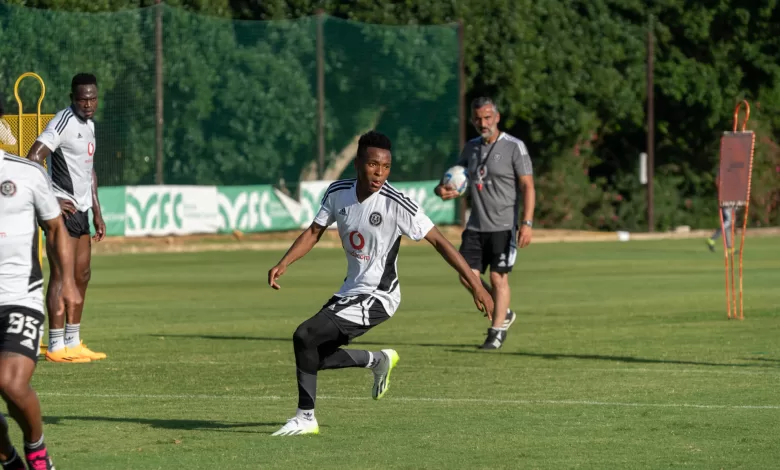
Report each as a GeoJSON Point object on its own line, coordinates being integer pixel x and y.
{"type": "Point", "coordinates": [173, 424]}
{"type": "Point", "coordinates": [357, 342]}
{"type": "Point", "coordinates": [473, 348]}
{"type": "Point", "coordinates": [626, 359]}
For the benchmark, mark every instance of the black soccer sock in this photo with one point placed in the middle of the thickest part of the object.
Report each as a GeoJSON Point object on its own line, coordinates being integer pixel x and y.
{"type": "Point", "coordinates": [14, 462]}
{"type": "Point", "coordinates": [344, 358]}
{"type": "Point", "coordinates": [315, 338]}
{"type": "Point", "coordinates": [307, 389]}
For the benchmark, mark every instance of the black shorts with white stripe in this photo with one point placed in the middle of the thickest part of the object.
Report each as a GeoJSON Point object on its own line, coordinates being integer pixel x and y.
{"type": "Point", "coordinates": [354, 315]}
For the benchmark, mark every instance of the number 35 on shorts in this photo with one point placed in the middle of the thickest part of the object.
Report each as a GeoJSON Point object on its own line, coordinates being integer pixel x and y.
{"type": "Point", "coordinates": [29, 327]}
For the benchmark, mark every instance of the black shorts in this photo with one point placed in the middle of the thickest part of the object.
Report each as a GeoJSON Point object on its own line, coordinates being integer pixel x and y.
{"type": "Point", "coordinates": [76, 223]}
{"type": "Point", "coordinates": [364, 312]}
{"type": "Point", "coordinates": [21, 330]}
{"type": "Point", "coordinates": [495, 249]}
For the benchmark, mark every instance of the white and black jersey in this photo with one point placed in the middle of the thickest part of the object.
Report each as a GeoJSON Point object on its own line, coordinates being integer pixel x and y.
{"type": "Point", "coordinates": [371, 233]}
{"type": "Point", "coordinates": [72, 143]}
{"type": "Point", "coordinates": [26, 196]}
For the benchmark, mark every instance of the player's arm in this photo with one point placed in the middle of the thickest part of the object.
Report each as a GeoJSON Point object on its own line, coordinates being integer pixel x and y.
{"type": "Point", "coordinates": [482, 298]}
{"type": "Point", "coordinates": [41, 149]}
{"type": "Point", "coordinates": [38, 153]}
{"type": "Point", "coordinates": [521, 163]}
{"type": "Point", "coordinates": [526, 183]}
{"type": "Point", "coordinates": [306, 240]}
{"type": "Point", "coordinates": [302, 245]}
{"type": "Point", "coordinates": [97, 213]}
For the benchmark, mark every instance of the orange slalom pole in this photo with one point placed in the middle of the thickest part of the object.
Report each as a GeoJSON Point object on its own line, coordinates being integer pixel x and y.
{"type": "Point", "coordinates": [726, 260]}
{"type": "Point", "coordinates": [731, 254]}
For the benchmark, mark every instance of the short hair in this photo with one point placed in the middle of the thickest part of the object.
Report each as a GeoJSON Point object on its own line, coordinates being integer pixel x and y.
{"type": "Point", "coordinates": [372, 139]}
{"type": "Point", "coordinates": [483, 101]}
{"type": "Point", "coordinates": [82, 79]}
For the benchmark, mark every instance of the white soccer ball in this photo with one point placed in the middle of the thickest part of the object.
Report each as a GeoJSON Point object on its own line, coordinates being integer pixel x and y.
{"type": "Point", "coordinates": [456, 178]}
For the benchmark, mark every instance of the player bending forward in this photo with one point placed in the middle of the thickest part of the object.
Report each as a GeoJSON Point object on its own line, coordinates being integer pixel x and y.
{"type": "Point", "coordinates": [371, 216]}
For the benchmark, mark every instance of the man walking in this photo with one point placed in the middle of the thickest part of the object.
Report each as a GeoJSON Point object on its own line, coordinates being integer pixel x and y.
{"type": "Point", "coordinates": [499, 170]}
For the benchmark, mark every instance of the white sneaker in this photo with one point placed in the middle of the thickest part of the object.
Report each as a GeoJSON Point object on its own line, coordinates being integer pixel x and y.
{"type": "Point", "coordinates": [511, 316]}
{"type": "Point", "coordinates": [382, 373]}
{"type": "Point", "coordinates": [298, 427]}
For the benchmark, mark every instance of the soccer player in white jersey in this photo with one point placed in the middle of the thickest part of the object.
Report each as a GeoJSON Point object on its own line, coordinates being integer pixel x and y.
{"type": "Point", "coordinates": [70, 140]}
{"type": "Point", "coordinates": [371, 217]}
{"type": "Point", "coordinates": [26, 195]}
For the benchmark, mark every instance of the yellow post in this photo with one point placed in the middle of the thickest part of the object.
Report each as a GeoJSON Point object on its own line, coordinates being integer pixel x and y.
{"type": "Point", "coordinates": [27, 128]}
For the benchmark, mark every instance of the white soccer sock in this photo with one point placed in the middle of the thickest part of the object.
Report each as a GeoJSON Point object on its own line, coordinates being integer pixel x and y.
{"type": "Point", "coordinates": [72, 335]}
{"type": "Point", "coordinates": [56, 339]}
{"type": "Point", "coordinates": [34, 445]}
{"type": "Point", "coordinates": [307, 415]}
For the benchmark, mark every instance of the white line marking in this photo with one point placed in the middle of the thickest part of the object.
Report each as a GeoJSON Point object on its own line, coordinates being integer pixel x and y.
{"type": "Point", "coordinates": [409, 400]}
{"type": "Point", "coordinates": [725, 370]}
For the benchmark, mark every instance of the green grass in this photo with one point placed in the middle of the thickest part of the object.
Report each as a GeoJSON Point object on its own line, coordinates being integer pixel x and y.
{"type": "Point", "coordinates": [622, 357]}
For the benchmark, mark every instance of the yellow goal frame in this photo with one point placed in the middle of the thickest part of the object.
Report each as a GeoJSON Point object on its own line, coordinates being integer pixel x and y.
{"type": "Point", "coordinates": [26, 127]}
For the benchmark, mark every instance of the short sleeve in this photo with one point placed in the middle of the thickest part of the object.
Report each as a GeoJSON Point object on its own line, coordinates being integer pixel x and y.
{"type": "Point", "coordinates": [521, 160]}
{"type": "Point", "coordinates": [46, 205]}
{"type": "Point", "coordinates": [415, 224]}
{"type": "Point", "coordinates": [51, 137]}
{"type": "Point", "coordinates": [325, 216]}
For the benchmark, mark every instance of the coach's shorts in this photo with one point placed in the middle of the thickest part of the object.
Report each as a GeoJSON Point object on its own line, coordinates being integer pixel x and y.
{"type": "Point", "coordinates": [354, 315]}
{"type": "Point", "coordinates": [495, 249]}
{"type": "Point", "coordinates": [21, 330]}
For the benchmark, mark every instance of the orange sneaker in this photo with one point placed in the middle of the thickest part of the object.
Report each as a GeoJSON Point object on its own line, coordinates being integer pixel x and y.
{"type": "Point", "coordinates": [65, 355]}
{"type": "Point", "coordinates": [83, 351]}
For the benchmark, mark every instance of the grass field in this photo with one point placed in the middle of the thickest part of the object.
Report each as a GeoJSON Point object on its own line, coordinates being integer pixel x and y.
{"type": "Point", "coordinates": [622, 357]}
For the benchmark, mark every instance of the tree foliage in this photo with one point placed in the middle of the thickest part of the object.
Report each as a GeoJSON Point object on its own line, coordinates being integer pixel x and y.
{"type": "Point", "coordinates": [569, 77]}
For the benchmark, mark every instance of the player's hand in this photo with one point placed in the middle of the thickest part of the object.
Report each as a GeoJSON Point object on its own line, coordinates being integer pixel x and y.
{"type": "Point", "coordinates": [446, 192]}
{"type": "Point", "coordinates": [100, 227]}
{"type": "Point", "coordinates": [275, 273]}
{"type": "Point", "coordinates": [524, 236]}
{"type": "Point", "coordinates": [66, 207]}
{"type": "Point", "coordinates": [70, 296]}
{"type": "Point", "coordinates": [484, 302]}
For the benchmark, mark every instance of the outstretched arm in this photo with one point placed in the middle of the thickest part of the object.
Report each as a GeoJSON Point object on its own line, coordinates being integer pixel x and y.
{"type": "Point", "coordinates": [302, 245]}
{"type": "Point", "coordinates": [482, 298]}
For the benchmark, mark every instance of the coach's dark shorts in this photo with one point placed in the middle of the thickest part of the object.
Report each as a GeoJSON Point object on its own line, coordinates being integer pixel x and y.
{"type": "Point", "coordinates": [495, 249]}
{"type": "Point", "coordinates": [76, 223]}
{"type": "Point", "coordinates": [363, 308]}
{"type": "Point", "coordinates": [21, 330]}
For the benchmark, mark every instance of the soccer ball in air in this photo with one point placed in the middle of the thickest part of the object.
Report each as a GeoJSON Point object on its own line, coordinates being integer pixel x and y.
{"type": "Point", "coordinates": [457, 179]}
